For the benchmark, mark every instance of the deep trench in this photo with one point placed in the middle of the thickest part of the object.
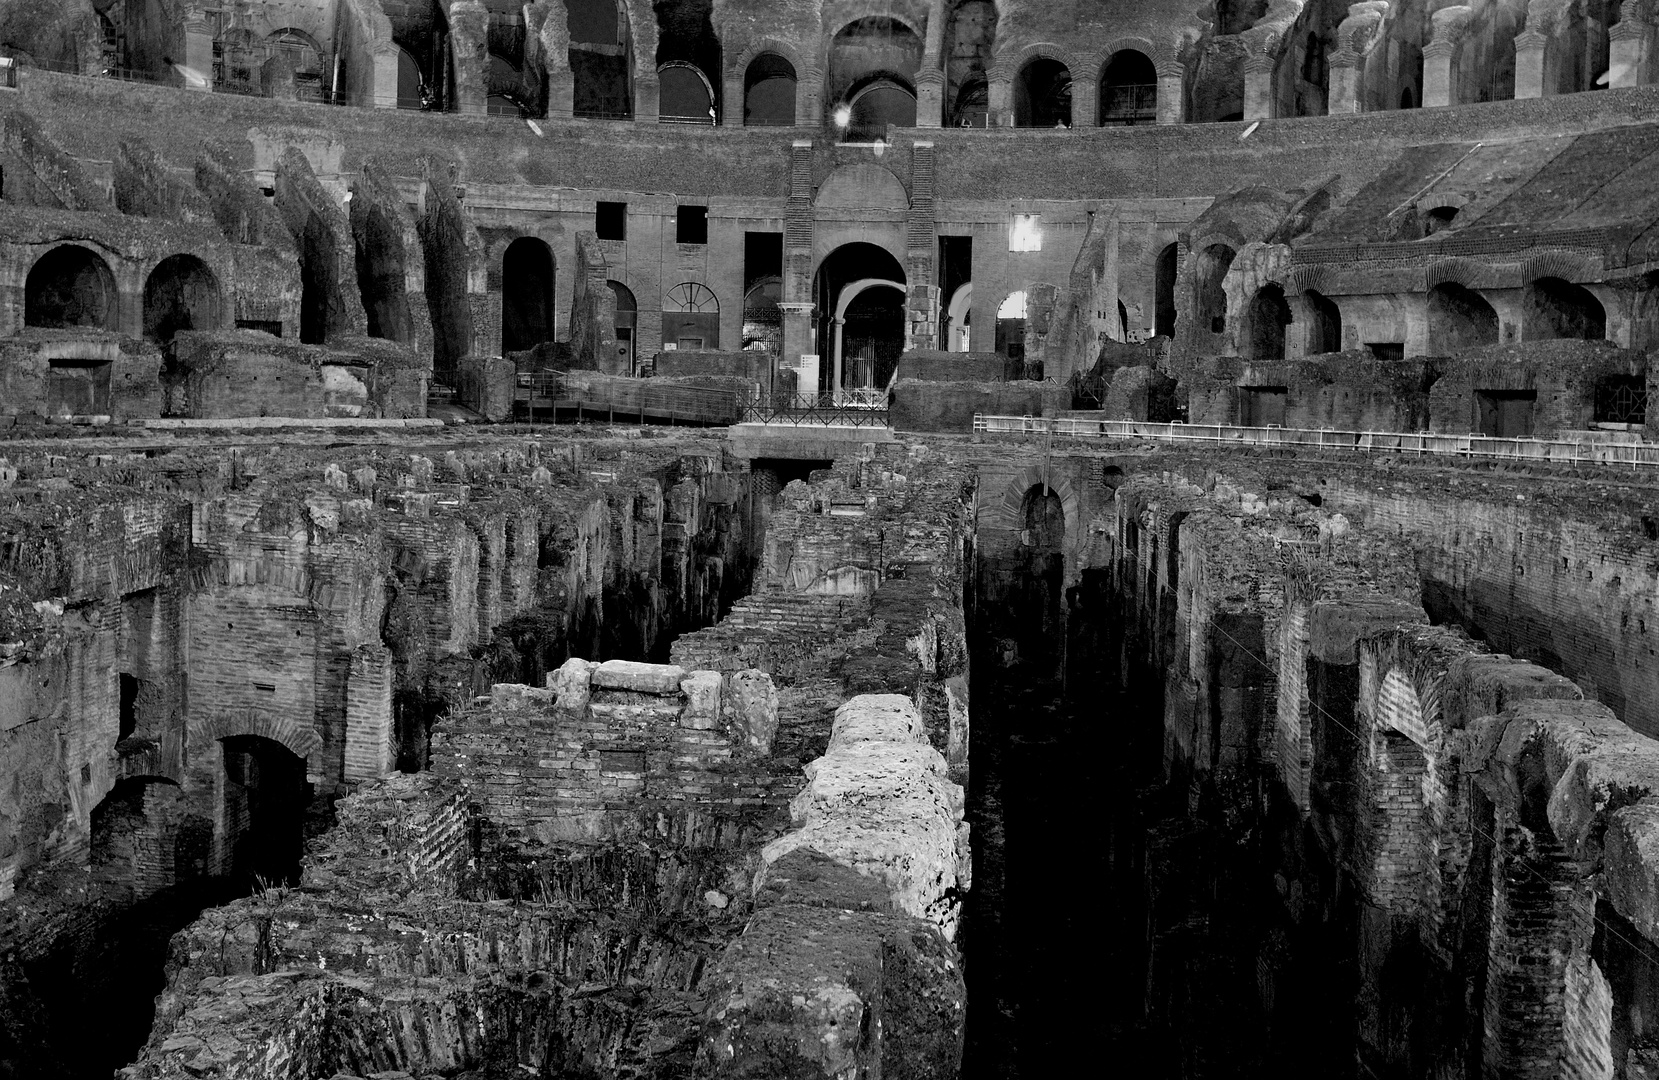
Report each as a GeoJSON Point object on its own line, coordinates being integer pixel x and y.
{"type": "Point", "coordinates": [1122, 911]}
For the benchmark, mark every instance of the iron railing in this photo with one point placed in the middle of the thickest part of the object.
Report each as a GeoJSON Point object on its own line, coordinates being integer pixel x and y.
{"type": "Point", "coordinates": [1137, 104]}
{"type": "Point", "coordinates": [624, 400]}
{"type": "Point", "coordinates": [817, 410]}
{"type": "Point", "coordinates": [1559, 451]}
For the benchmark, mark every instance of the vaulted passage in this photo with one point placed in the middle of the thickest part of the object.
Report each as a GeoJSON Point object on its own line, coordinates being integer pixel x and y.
{"type": "Point", "coordinates": [70, 286]}
{"type": "Point", "coordinates": [266, 799]}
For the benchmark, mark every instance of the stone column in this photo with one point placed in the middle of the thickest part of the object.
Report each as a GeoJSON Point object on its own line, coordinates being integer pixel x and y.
{"type": "Point", "coordinates": [1172, 106]}
{"type": "Point", "coordinates": [930, 99]}
{"type": "Point", "coordinates": [1631, 47]}
{"type": "Point", "coordinates": [1085, 101]}
{"type": "Point", "coordinates": [1530, 49]}
{"type": "Point", "coordinates": [1346, 72]}
{"type": "Point", "coordinates": [647, 98]}
{"type": "Point", "coordinates": [1439, 74]}
{"type": "Point", "coordinates": [999, 93]}
{"type": "Point", "coordinates": [1258, 88]}
{"type": "Point", "coordinates": [731, 111]}
{"type": "Point", "coordinates": [469, 35]}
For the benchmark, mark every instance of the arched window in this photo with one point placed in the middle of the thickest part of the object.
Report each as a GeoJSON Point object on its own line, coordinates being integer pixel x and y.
{"type": "Point", "coordinates": [1408, 98]}
{"type": "Point", "coordinates": [769, 92]}
{"type": "Point", "coordinates": [600, 64]}
{"type": "Point", "coordinates": [410, 86]}
{"type": "Point", "coordinates": [1459, 319]}
{"type": "Point", "coordinates": [1042, 94]}
{"type": "Point", "coordinates": [1163, 301]}
{"type": "Point", "coordinates": [1439, 218]}
{"type": "Point", "coordinates": [181, 294]}
{"type": "Point", "coordinates": [1269, 315]}
{"type": "Point", "coordinates": [1559, 309]}
{"type": "Point", "coordinates": [690, 318]}
{"type": "Point", "coordinates": [876, 106]}
{"type": "Point", "coordinates": [504, 85]}
{"type": "Point", "coordinates": [1129, 90]}
{"type": "Point", "coordinates": [527, 277]}
{"type": "Point", "coordinates": [870, 82]}
{"type": "Point", "coordinates": [626, 323]}
{"type": "Point", "coordinates": [70, 286]}
{"type": "Point", "coordinates": [684, 95]}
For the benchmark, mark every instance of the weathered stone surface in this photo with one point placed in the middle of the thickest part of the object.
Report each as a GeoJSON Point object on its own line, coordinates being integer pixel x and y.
{"type": "Point", "coordinates": [703, 693]}
{"type": "Point", "coordinates": [641, 678]}
{"type": "Point", "coordinates": [752, 710]}
{"type": "Point", "coordinates": [572, 683]}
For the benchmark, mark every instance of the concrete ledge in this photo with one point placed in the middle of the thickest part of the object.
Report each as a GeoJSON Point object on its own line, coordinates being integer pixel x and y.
{"type": "Point", "coordinates": [807, 442]}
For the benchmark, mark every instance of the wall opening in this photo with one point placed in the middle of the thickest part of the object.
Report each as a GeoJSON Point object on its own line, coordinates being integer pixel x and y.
{"type": "Point", "coordinates": [1560, 309]}
{"type": "Point", "coordinates": [763, 318]}
{"type": "Point", "coordinates": [527, 278]}
{"type": "Point", "coordinates": [1163, 291]}
{"type": "Point", "coordinates": [1459, 319]}
{"type": "Point", "coordinates": [128, 690]}
{"type": "Point", "coordinates": [1621, 400]}
{"type": "Point", "coordinates": [1010, 340]}
{"type": "Point", "coordinates": [685, 95]}
{"type": "Point", "coordinates": [1129, 90]}
{"type": "Point", "coordinates": [1269, 316]}
{"type": "Point", "coordinates": [76, 387]}
{"type": "Point", "coordinates": [1506, 414]}
{"type": "Point", "coordinates": [1042, 519]}
{"type": "Point", "coordinates": [690, 317]}
{"type": "Point", "coordinates": [601, 60]}
{"type": "Point", "coordinates": [181, 294]}
{"type": "Point", "coordinates": [1313, 87]}
{"type": "Point", "coordinates": [970, 42]}
{"type": "Point", "coordinates": [878, 105]}
{"type": "Point", "coordinates": [1211, 270]}
{"type": "Point", "coordinates": [686, 40]}
{"type": "Point", "coordinates": [1263, 406]}
{"type": "Point", "coordinates": [872, 76]}
{"type": "Point", "coordinates": [627, 324]}
{"type": "Point", "coordinates": [1042, 94]}
{"type": "Point", "coordinates": [862, 285]}
{"type": "Point", "coordinates": [955, 278]}
{"type": "Point", "coordinates": [265, 800]}
{"type": "Point", "coordinates": [382, 275]}
{"type": "Point", "coordinates": [1439, 219]}
{"type": "Point", "coordinates": [70, 286]}
{"type": "Point", "coordinates": [412, 92]}
{"type": "Point", "coordinates": [769, 88]}
{"type": "Point", "coordinates": [1325, 333]}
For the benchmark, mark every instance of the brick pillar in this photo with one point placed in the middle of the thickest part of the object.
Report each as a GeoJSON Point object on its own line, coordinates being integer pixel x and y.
{"type": "Point", "coordinates": [1258, 88]}
{"type": "Point", "coordinates": [1439, 74]}
{"type": "Point", "coordinates": [647, 98]}
{"type": "Point", "coordinates": [922, 296]}
{"type": "Point", "coordinates": [1346, 74]}
{"type": "Point", "coordinates": [731, 105]}
{"type": "Point", "coordinates": [809, 98]}
{"type": "Point", "coordinates": [1172, 104]}
{"type": "Point", "coordinates": [369, 750]}
{"type": "Point", "coordinates": [1530, 55]}
{"type": "Point", "coordinates": [1631, 48]}
{"type": "Point", "coordinates": [1085, 100]}
{"type": "Point", "coordinates": [469, 34]}
{"type": "Point", "coordinates": [930, 99]}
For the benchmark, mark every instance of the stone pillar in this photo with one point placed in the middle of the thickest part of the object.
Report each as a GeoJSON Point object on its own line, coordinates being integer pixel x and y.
{"type": "Point", "coordinates": [731, 111]}
{"type": "Point", "coordinates": [1085, 101]}
{"type": "Point", "coordinates": [798, 339]}
{"type": "Point", "coordinates": [835, 385]}
{"type": "Point", "coordinates": [999, 93]}
{"type": "Point", "coordinates": [1258, 88]}
{"type": "Point", "coordinates": [1631, 47]}
{"type": "Point", "coordinates": [1172, 98]}
{"type": "Point", "coordinates": [809, 98]}
{"type": "Point", "coordinates": [1346, 72]}
{"type": "Point", "coordinates": [647, 98]}
{"type": "Point", "coordinates": [930, 99]}
{"type": "Point", "coordinates": [1530, 49]}
{"type": "Point", "coordinates": [469, 35]}
{"type": "Point", "coordinates": [198, 54]}
{"type": "Point", "coordinates": [1439, 74]}
{"type": "Point", "coordinates": [561, 92]}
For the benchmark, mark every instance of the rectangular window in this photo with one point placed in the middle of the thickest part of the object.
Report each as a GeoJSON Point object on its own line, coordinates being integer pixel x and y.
{"type": "Point", "coordinates": [1387, 350]}
{"type": "Point", "coordinates": [1506, 414]}
{"type": "Point", "coordinates": [692, 343]}
{"type": "Point", "coordinates": [610, 220]}
{"type": "Point", "coordinates": [269, 688]}
{"type": "Point", "coordinates": [692, 226]}
{"type": "Point", "coordinates": [1026, 234]}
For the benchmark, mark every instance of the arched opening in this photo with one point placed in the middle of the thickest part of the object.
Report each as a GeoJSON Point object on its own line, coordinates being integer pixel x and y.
{"type": "Point", "coordinates": [872, 77]}
{"type": "Point", "coordinates": [1559, 309]}
{"type": "Point", "coordinates": [1269, 315]}
{"type": "Point", "coordinates": [382, 276]}
{"type": "Point", "coordinates": [1042, 94]}
{"type": "Point", "coordinates": [1459, 319]}
{"type": "Point", "coordinates": [686, 39]}
{"type": "Point", "coordinates": [527, 276]}
{"type": "Point", "coordinates": [690, 317]}
{"type": "Point", "coordinates": [626, 324]}
{"type": "Point", "coordinates": [600, 57]}
{"type": "Point", "coordinates": [1208, 276]}
{"type": "Point", "coordinates": [1325, 335]}
{"type": "Point", "coordinates": [1042, 519]}
{"type": "Point", "coordinates": [127, 688]}
{"type": "Point", "coordinates": [769, 92]}
{"type": "Point", "coordinates": [684, 95]}
{"type": "Point", "coordinates": [763, 318]}
{"type": "Point", "coordinates": [181, 294]}
{"type": "Point", "coordinates": [859, 289]}
{"type": "Point", "coordinates": [1129, 90]}
{"type": "Point", "coordinates": [411, 87]}
{"type": "Point", "coordinates": [970, 41]}
{"type": "Point", "coordinates": [959, 315]}
{"type": "Point", "coordinates": [1163, 289]}
{"type": "Point", "coordinates": [504, 86]}
{"type": "Point", "coordinates": [1313, 87]}
{"type": "Point", "coordinates": [1439, 219]}
{"type": "Point", "coordinates": [265, 800]}
{"type": "Point", "coordinates": [877, 106]}
{"type": "Point", "coordinates": [1408, 98]}
{"type": "Point", "coordinates": [70, 286]}
{"type": "Point", "coordinates": [1010, 340]}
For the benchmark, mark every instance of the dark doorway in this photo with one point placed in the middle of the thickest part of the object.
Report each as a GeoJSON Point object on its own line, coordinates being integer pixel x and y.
{"type": "Point", "coordinates": [769, 92]}
{"type": "Point", "coordinates": [70, 286]}
{"type": "Point", "coordinates": [129, 706]}
{"type": "Point", "coordinates": [1269, 315]}
{"type": "Point", "coordinates": [181, 294]}
{"type": "Point", "coordinates": [1325, 335]}
{"type": "Point", "coordinates": [527, 279]}
{"type": "Point", "coordinates": [1129, 90]}
{"type": "Point", "coordinates": [1559, 309]}
{"type": "Point", "coordinates": [266, 797]}
{"type": "Point", "coordinates": [382, 276]}
{"type": "Point", "coordinates": [1042, 94]}
{"type": "Point", "coordinates": [77, 388]}
{"type": "Point", "coordinates": [1163, 319]}
{"type": "Point", "coordinates": [1262, 406]}
{"type": "Point", "coordinates": [1506, 414]}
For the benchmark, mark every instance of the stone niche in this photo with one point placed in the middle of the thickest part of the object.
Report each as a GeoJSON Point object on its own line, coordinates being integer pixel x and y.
{"type": "Point", "coordinates": [63, 374]}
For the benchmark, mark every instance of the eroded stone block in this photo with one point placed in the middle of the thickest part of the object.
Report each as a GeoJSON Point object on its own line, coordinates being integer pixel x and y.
{"type": "Point", "coordinates": [640, 678]}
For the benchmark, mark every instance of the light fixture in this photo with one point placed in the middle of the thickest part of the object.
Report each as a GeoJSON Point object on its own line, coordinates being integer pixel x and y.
{"type": "Point", "coordinates": [843, 116]}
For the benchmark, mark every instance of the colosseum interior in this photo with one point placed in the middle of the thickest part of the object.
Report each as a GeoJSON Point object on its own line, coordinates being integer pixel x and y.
{"type": "Point", "coordinates": [807, 539]}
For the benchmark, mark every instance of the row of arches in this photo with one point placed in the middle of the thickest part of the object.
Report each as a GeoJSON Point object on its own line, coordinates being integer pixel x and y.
{"type": "Point", "coordinates": [72, 286]}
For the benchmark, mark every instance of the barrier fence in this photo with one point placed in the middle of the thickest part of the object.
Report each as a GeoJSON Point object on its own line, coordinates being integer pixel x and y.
{"type": "Point", "coordinates": [852, 410]}
{"type": "Point", "coordinates": [1555, 451]}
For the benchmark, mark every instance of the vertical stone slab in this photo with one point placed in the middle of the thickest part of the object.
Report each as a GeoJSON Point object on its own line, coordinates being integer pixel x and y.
{"type": "Point", "coordinates": [1439, 78]}
{"type": "Point", "coordinates": [1530, 49]}
{"type": "Point", "coordinates": [369, 750]}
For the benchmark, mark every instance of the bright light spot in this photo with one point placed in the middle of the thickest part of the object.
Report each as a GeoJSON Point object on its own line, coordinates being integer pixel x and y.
{"type": "Point", "coordinates": [192, 77]}
{"type": "Point", "coordinates": [1027, 234]}
{"type": "Point", "coordinates": [843, 116]}
{"type": "Point", "coordinates": [1013, 307]}
{"type": "Point", "coordinates": [535, 127]}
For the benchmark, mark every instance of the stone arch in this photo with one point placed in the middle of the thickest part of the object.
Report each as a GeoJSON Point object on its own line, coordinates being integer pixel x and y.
{"type": "Point", "coordinates": [1269, 317]}
{"type": "Point", "coordinates": [1557, 308]}
{"type": "Point", "coordinates": [1011, 507]}
{"type": "Point", "coordinates": [678, 100]}
{"type": "Point", "coordinates": [181, 293]}
{"type": "Point", "coordinates": [303, 742]}
{"type": "Point", "coordinates": [1459, 318]}
{"type": "Point", "coordinates": [768, 66]}
{"type": "Point", "coordinates": [529, 271]}
{"type": "Point", "coordinates": [864, 186]}
{"type": "Point", "coordinates": [1114, 104]}
{"type": "Point", "coordinates": [71, 285]}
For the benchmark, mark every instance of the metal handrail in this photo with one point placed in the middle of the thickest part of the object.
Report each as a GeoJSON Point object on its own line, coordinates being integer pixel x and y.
{"type": "Point", "coordinates": [1563, 451]}
{"type": "Point", "coordinates": [822, 410]}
